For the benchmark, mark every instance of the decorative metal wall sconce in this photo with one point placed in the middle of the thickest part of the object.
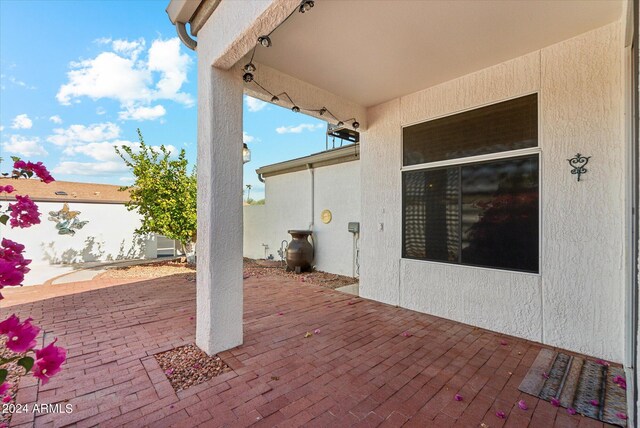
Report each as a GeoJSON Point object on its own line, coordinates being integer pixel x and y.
{"type": "Point", "coordinates": [66, 220]}
{"type": "Point", "coordinates": [578, 163]}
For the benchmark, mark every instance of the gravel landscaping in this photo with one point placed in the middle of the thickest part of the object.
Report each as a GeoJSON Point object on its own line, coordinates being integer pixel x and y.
{"type": "Point", "coordinates": [188, 365]}
{"type": "Point", "coordinates": [15, 373]}
{"type": "Point", "coordinates": [254, 268]}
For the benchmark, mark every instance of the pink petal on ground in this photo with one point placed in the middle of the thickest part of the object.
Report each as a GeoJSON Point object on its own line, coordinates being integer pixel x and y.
{"type": "Point", "coordinates": [500, 414]}
{"type": "Point", "coordinates": [197, 366]}
{"type": "Point", "coordinates": [523, 405]}
{"type": "Point", "coordinates": [280, 314]}
{"type": "Point", "coordinates": [168, 372]}
{"type": "Point", "coordinates": [555, 402]}
{"type": "Point", "coordinates": [351, 303]}
{"type": "Point", "coordinates": [316, 331]}
{"type": "Point", "coordinates": [571, 411]}
{"type": "Point", "coordinates": [594, 403]}
{"type": "Point", "coordinates": [406, 334]}
{"type": "Point", "coordinates": [458, 397]}
{"type": "Point", "coordinates": [545, 375]}
{"type": "Point", "coordinates": [603, 362]}
{"type": "Point", "coordinates": [6, 398]}
{"type": "Point", "coordinates": [621, 416]}
{"type": "Point", "coordinates": [191, 318]}
{"type": "Point", "coordinates": [504, 343]}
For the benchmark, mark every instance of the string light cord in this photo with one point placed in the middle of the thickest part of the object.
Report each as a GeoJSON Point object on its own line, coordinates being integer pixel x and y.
{"type": "Point", "coordinates": [250, 68]}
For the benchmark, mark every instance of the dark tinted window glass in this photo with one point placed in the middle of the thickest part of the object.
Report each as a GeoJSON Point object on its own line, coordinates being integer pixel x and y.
{"type": "Point", "coordinates": [431, 214]}
{"type": "Point", "coordinates": [508, 125]}
{"type": "Point", "coordinates": [500, 214]}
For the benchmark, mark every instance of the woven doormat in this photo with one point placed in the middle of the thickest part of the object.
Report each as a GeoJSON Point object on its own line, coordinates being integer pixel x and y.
{"type": "Point", "coordinates": [592, 388]}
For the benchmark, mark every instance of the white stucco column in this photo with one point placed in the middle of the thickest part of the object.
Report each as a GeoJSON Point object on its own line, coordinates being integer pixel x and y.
{"type": "Point", "coordinates": [219, 243]}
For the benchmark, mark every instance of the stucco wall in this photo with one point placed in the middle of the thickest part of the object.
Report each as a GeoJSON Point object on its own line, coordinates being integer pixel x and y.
{"type": "Point", "coordinates": [577, 300]}
{"type": "Point", "coordinates": [288, 206]}
{"type": "Point", "coordinates": [109, 235]}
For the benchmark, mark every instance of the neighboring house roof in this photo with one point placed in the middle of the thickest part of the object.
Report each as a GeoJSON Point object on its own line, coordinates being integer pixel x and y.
{"type": "Point", "coordinates": [329, 157]}
{"type": "Point", "coordinates": [67, 191]}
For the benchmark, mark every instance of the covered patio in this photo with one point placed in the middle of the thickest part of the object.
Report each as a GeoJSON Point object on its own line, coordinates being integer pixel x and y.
{"type": "Point", "coordinates": [370, 364]}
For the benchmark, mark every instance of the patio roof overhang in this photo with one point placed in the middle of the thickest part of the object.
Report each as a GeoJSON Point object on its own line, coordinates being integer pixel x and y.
{"type": "Point", "coordinates": [371, 52]}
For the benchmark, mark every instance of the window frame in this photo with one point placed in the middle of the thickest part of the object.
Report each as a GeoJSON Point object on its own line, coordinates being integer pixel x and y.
{"type": "Point", "coordinates": [470, 160]}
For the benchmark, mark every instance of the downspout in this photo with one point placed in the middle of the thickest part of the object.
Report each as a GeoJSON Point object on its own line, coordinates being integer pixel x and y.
{"type": "Point", "coordinates": [181, 28]}
{"type": "Point", "coordinates": [312, 176]}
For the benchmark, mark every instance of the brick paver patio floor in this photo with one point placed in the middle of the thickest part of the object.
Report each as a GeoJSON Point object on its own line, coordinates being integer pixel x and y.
{"type": "Point", "coordinates": [360, 370]}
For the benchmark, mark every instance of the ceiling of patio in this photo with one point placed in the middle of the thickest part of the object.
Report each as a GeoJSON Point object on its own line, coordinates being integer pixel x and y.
{"type": "Point", "coordinates": [373, 51]}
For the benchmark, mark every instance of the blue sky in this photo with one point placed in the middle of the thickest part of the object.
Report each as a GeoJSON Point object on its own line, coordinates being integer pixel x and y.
{"type": "Point", "coordinates": [78, 77]}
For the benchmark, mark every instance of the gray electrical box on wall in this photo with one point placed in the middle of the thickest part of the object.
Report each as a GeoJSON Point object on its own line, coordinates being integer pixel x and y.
{"type": "Point", "coordinates": [354, 227]}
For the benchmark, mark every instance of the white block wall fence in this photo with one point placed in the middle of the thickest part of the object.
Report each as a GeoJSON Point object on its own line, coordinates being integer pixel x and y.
{"type": "Point", "coordinates": [297, 192]}
{"type": "Point", "coordinates": [108, 235]}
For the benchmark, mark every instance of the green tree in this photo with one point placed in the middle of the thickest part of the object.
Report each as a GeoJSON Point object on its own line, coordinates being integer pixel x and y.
{"type": "Point", "coordinates": [163, 192]}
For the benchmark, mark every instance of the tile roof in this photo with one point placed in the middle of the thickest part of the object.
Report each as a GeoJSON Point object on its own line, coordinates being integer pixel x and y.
{"type": "Point", "coordinates": [65, 191]}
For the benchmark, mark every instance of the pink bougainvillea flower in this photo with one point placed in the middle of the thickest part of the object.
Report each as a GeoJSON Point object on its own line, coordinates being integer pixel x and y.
{"type": "Point", "coordinates": [21, 338]}
{"type": "Point", "coordinates": [13, 265]}
{"type": "Point", "coordinates": [37, 168]}
{"type": "Point", "coordinates": [6, 398]}
{"type": "Point", "coordinates": [504, 342]}
{"type": "Point", "coordinates": [595, 403]}
{"type": "Point", "coordinates": [571, 411]}
{"type": "Point", "coordinates": [603, 362]}
{"type": "Point", "coordinates": [6, 326]}
{"type": "Point", "coordinates": [406, 334]}
{"type": "Point", "coordinates": [24, 213]}
{"type": "Point", "coordinates": [280, 313]}
{"type": "Point", "coordinates": [545, 375]}
{"type": "Point", "coordinates": [168, 372]}
{"type": "Point", "coordinates": [4, 387]}
{"type": "Point", "coordinates": [316, 331]}
{"type": "Point", "coordinates": [49, 361]}
{"type": "Point", "coordinates": [555, 402]}
{"type": "Point", "coordinates": [458, 397]}
{"type": "Point", "coordinates": [523, 405]}
{"type": "Point", "coordinates": [500, 414]}
{"type": "Point", "coordinates": [7, 189]}
{"type": "Point", "coordinates": [4, 425]}
{"type": "Point", "coordinates": [621, 416]}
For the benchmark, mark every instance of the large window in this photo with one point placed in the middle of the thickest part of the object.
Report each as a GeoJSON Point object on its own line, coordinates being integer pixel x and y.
{"type": "Point", "coordinates": [479, 214]}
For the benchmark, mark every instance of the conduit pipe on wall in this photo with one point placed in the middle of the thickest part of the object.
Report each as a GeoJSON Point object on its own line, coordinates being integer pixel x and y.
{"type": "Point", "coordinates": [312, 175]}
{"type": "Point", "coordinates": [181, 28]}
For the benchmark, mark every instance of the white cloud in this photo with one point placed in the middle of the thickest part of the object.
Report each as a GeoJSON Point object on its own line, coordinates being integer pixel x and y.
{"type": "Point", "coordinates": [106, 76]}
{"type": "Point", "coordinates": [1, 128]}
{"type": "Point", "coordinates": [120, 75]}
{"type": "Point", "coordinates": [56, 119]}
{"type": "Point", "coordinates": [298, 129]}
{"type": "Point", "coordinates": [129, 49]}
{"type": "Point", "coordinates": [16, 82]}
{"type": "Point", "coordinates": [106, 151]}
{"type": "Point", "coordinates": [142, 113]}
{"type": "Point", "coordinates": [22, 121]}
{"type": "Point", "coordinates": [90, 168]}
{"type": "Point", "coordinates": [79, 134]}
{"type": "Point", "coordinates": [24, 146]}
{"type": "Point", "coordinates": [166, 58]}
{"type": "Point", "coordinates": [100, 111]}
{"type": "Point", "coordinates": [246, 138]}
{"type": "Point", "coordinates": [254, 104]}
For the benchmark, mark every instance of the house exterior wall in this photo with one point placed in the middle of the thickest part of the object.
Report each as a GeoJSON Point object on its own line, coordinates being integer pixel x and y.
{"type": "Point", "coordinates": [577, 300]}
{"type": "Point", "coordinates": [288, 206]}
{"type": "Point", "coordinates": [108, 235]}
